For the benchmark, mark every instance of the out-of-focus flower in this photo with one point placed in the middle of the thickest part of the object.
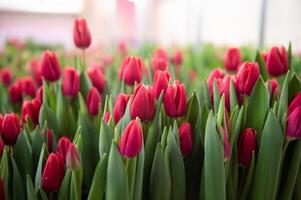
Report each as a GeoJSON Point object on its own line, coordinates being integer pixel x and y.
{"type": "Point", "coordinates": [143, 103]}
{"type": "Point", "coordinates": [106, 117]}
{"type": "Point", "coordinates": [53, 173]}
{"type": "Point", "coordinates": [31, 109]}
{"type": "Point", "coordinates": [177, 58]}
{"type": "Point", "coordinates": [10, 128]}
{"type": "Point", "coordinates": [36, 71]}
{"type": "Point", "coordinates": [1, 148]}
{"type": "Point", "coordinates": [93, 101]}
{"type": "Point", "coordinates": [159, 64]}
{"type": "Point", "coordinates": [131, 70]}
{"type": "Point", "coordinates": [62, 147]}
{"type": "Point", "coordinates": [5, 76]}
{"type": "Point", "coordinates": [293, 124]}
{"type": "Point", "coordinates": [216, 74]}
{"type": "Point", "coordinates": [277, 61]}
{"type": "Point", "coordinates": [39, 95]}
{"type": "Point", "coordinates": [72, 158]}
{"type": "Point", "coordinates": [27, 86]}
{"type": "Point", "coordinates": [185, 137]}
{"type": "Point", "coordinates": [264, 55]}
{"type": "Point", "coordinates": [49, 136]}
{"type": "Point", "coordinates": [122, 48]}
{"type": "Point", "coordinates": [246, 145]}
{"type": "Point", "coordinates": [160, 53]}
{"type": "Point", "coordinates": [131, 140]}
{"type": "Point", "coordinates": [294, 103]}
{"type": "Point", "coordinates": [15, 92]}
{"type": "Point", "coordinates": [70, 84]}
{"type": "Point", "coordinates": [225, 89]}
{"type": "Point", "coordinates": [120, 106]}
{"type": "Point", "coordinates": [81, 34]}
{"type": "Point", "coordinates": [175, 100]}
{"type": "Point", "coordinates": [161, 80]}
{"type": "Point", "coordinates": [50, 66]}
{"type": "Point", "coordinates": [232, 59]}
{"type": "Point", "coordinates": [97, 78]}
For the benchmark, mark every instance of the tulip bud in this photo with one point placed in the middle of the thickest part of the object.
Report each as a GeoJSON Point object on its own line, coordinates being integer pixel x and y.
{"type": "Point", "coordinates": [120, 106]}
{"type": "Point", "coordinates": [50, 66]}
{"type": "Point", "coordinates": [232, 59]}
{"type": "Point", "coordinates": [159, 64]}
{"type": "Point", "coordinates": [81, 34]}
{"type": "Point", "coordinates": [122, 48]}
{"type": "Point", "coordinates": [177, 58]}
{"type": "Point", "coordinates": [70, 85]}
{"type": "Point", "coordinates": [274, 88]}
{"type": "Point", "coordinates": [72, 158]}
{"type": "Point", "coordinates": [15, 92]}
{"type": "Point", "coordinates": [225, 90]}
{"type": "Point", "coordinates": [27, 86]}
{"type": "Point", "coordinates": [93, 101]}
{"type": "Point", "coordinates": [2, 189]}
{"type": "Point", "coordinates": [264, 55]}
{"type": "Point", "coordinates": [175, 100]}
{"type": "Point", "coordinates": [246, 78]}
{"type": "Point", "coordinates": [226, 145]}
{"type": "Point", "coordinates": [39, 95]}
{"type": "Point", "coordinates": [246, 145]}
{"type": "Point", "coordinates": [131, 70]}
{"type": "Point", "coordinates": [296, 102]}
{"type": "Point", "coordinates": [31, 109]}
{"type": "Point", "coordinates": [35, 70]}
{"type": "Point", "coordinates": [143, 103]}
{"type": "Point", "coordinates": [216, 74]}
{"type": "Point", "coordinates": [10, 128]}
{"type": "Point", "coordinates": [161, 80]}
{"type": "Point", "coordinates": [293, 124]}
{"type": "Point", "coordinates": [160, 53]}
{"type": "Point", "coordinates": [185, 137]}
{"type": "Point", "coordinates": [131, 140]}
{"type": "Point", "coordinates": [277, 61]}
{"type": "Point", "coordinates": [62, 147]}
{"type": "Point", "coordinates": [97, 78]}
{"type": "Point", "coordinates": [106, 117]}
{"type": "Point", "coordinates": [1, 147]}
{"type": "Point", "coordinates": [49, 139]}
{"type": "Point", "coordinates": [5, 76]}
{"type": "Point", "coordinates": [53, 173]}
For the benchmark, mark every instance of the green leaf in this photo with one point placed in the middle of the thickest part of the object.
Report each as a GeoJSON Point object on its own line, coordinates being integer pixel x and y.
{"type": "Point", "coordinates": [215, 187]}
{"type": "Point", "coordinates": [283, 101]}
{"type": "Point", "coordinates": [138, 187]}
{"type": "Point", "coordinates": [99, 179]}
{"type": "Point", "coordinates": [39, 171]}
{"type": "Point", "coordinates": [268, 160]}
{"type": "Point", "coordinates": [258, 105]}
{"type": "Point", "coordinates": [18, 193]}
{"type": "Point", "coordinates": [106, 136]}
{"type": "Point", "coordinates": [47, 115]}
{"type": "Point", "coordinates": [221, 111]}
{"type": "Point", "coordinates": [290, 54]}
{"type": "Point", "coordinates": [262, 66]}
{"type": "Point", "coordinates": [37, 142]}
{"type": "Point", "coordinates": [5, 172]}
{"type": "Point", "coordinates": [160, 186]}
{"type": "Point", "coordinates": [249, 178]}
{"type": "Point", "coordinates": [294, 87]}
{"type": "Point", "coordinates": [233, 96]}
{"type": "Point", "coordinates": [85, 83]}
{"type": "Point", "coordinates": [30, 189]}
{"type": "Point", "coordinates": [64, 191]}
{"type": "Point", "coordinates": [117, 183]}
{"type": "Point", "coordinates": [193, 109]}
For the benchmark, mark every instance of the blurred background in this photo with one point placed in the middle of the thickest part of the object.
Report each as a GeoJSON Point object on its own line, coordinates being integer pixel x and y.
{"type": "Point", "coordinates": [165, 22]}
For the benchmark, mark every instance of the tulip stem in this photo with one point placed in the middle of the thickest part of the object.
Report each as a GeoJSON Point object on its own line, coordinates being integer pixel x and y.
{"type": "Point", "coordinates": [84, 60]}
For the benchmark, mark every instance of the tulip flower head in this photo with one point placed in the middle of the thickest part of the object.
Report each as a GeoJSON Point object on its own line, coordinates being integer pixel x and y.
{"type": "Point", "coordinates": [159, 64]}
{"type": "Point", "coordinates": [274, 88]}
{"type": "Point", "coordinates": [216, 74]}
{"type": "Point", "coordinates": [81, 34]}
{"type": "Point", "coordinates": [185, 137]}
{"type": "Point", "coordinates": [160, 53]}
{"type": "Point", "coordinates": [226, 145]}
{"type": "Point", "coordinates": [10, 128]}
{"type": "Point", "coordinates": [93, 101]}
{"type": "Point", "coordinates": [97, 78]}
{"type": "Point", "coordinates": [246, 146]}
{"type": "Point", "coordinates": [277, 61]}
{"type": "Point", "coordinates": [132, 138]}
{"type": "Point", "coordinates": [5, 76]}
{"type": "Point", "coordinates": [70, 84]}
{"type": "Point", "coordinates": [50, 66]}
{"type": "Point", "coordinates": [293, 124]}
{"type": "Point", "coordinates": [131, 70]}
{"type": "Point", "coordinates": [120, 106]}
{"type": "Point", "coordinates": [31, 109]}
{"type": "Point", "coordinates": [177, 58]}
{"type": "Point", "coordinates": [161, 80]}
{"type": "Point", "coordinates": [28, 86]}
{"type": "Point", "coordinates": [72, 158]}
{"type": "Point", "coordinates": [296, 102]}
{"type": "Point", "coordinates": [232, 59]}
{"type": "Point", "coordinates": [62, 147]}
{"type": "Point", "coordinates": [15, 92]}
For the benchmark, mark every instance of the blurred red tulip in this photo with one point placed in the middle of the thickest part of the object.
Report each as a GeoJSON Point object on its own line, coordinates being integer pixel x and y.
{"type": "Point", "coordinates": [177, 58]}
{"type": "Point", "coordinates": [39, 95]}
{"type": "Point", "coordinates": [62, 147]}
{"type": "Point", "coordinates": [31, 109]}
{"type": "Point", "coordinates": [226, 145]}
{"type": "Point", "coordinates": [232, 59]}
{"type": "Point", "coordinates": [185, 137]}
{"type": "Point", "coordinates": [131, 70]}
{"type": "Point", "coordinates": [277, 61]}
{"type": "Point", "coordinates": [296, 102]}
{"type": "Point", "coordinates": [97, 78]}
{"type": "Point", "coordinates": [70, 84]}
{"type": "Point", "coordinates": [216, 74]}
{"type": "Point", "coordinates": [36, 71]}
{"type": "Point", "coordinates": [273, 87]}
{"type": "Point", "coordinates": [159, 64]}
{"type": "Point", "coordinates": [27, 86]}
{"type": "Point", "coordinates": [50, 66]}
{"type": "Point", "coordinates": [81, 34]}
{"type": "Point", "coordinates": [120, 106]}
{"type": "Point", "coordinates": [160, 53]}
{"type": "Point", "coordinates": [5, 76]}
{"type": "Point", "coordinates": [10, 128]}
{"type": "Point", "coordinates": [93, 101]}
{"type": "Point", "coordinates": [161, 80]}
{"type": "Point", "coordinates": [246, 145]}
{"type": "Point", "coordinates": [15, 92]}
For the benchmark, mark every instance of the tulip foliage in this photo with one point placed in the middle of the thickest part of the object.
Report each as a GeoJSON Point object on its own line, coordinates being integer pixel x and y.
{"type": "Point", "coordinates": [145, 127]}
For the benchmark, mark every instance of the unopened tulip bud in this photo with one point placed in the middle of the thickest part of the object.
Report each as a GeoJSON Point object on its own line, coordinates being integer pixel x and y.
{"type": "Point", "coordinates": [296, 102]}
{"type": "Point", "coordinates": [177, 58]}
{"type": "Point", "coordinates": [106, 117]}
{"type": "Point", "coordinates": [10, 128]}
{"type": "Point", "coordinates": [143, 103]}
{"type": "Point", "coordinates": [160, 53]}
{"type": "Point", "coordinates": [246, 145]}
{"type": "Point", "coordinates": [293, 124]}
{"type": "Point", "coordinates": [36, 71]}
{"type": "Point", "coordinates": [246, 77]}
{"type": "Point", "coordinates": [81, 34]}
{"type": "Point", "coordinates": [31, 109]}
{"type": "Point", "coordinates": [277, 61]}
{"type": "Point", "coordinates": [131, 70]}
{"type": "Point", "coordinates": [185, 137]}
{"type": "Point", "coordinates": [131, 140]}
{"type": "Point", "coordinates": [5, 76]}
{"type": "Point", "coordinates": [15, 92]}
{"type": "Point", "coordinates": [50, 66]}
{"type": "Point", "coordinates": [49, 139]}
{"type": "Point", "coordinates": [216, 74]}
{"type": "Point", "coordinates": [161, 80]}
{"type": "Point", "coordinates": [27, 86]}
{"type": "Point", "coordinates": [160, 64]}
{"type": "Point", "coordinates": [93, 101]}
{"type": "Point", "coordinates": [274, 88]}
{"type": "Point", "coordinates": [232, 59]}
{"type": "Point", "coordinates": [97, 78]}
{"type": "Point", "coordinates": [62, 147]}
{"type": "Point", "coordinates": [72, 158]}
{"type": "Point", "coordinates": [120, 106]}
{"type": "Point", "coordinates": [53, 173]}
{"type": "Point", "coordinates": [225, 90]}
{"type": "Point", "coordinates": [39, 95]}
{"type": "Point", "coordinates": [175, 100]}
{"type": "Point", "coordinates": [70, 84]}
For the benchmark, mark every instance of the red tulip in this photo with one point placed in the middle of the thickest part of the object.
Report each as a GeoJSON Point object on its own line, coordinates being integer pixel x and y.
{"type": "Point", "coordinates": [31, 109]}
{"type": "Point", "coordinates": [70, 85]}
{"type": "Point", "coordinates": [2, 189]}
{"type": "Point", "coordinates": [175, 100]}
{"type": "Point", "coordinates": [120, 106]}
{"type": "Point", "coordinates": [177, 58]}
{"type": "Point", "coordinates": [15, 92]}
{"type": "Point", "coordinates": [264, 56]}
{"type": "Point", "coordinates": [122, 48]}
{"type": "Point", "coordinates": [274, 87]}
{"type": "Point", "coordinates": [1, 147]}
{"type": "Point", "coordinates": [5, 76]}
{"type": "Point", "coordinates": [232, 59]}
{"type": "Point", "coordinates": [160, 53]}
{"type": "Point", "coordinates": [72, 158]}
{"type": "Point", "coordinates": [246, 145]}
{"type": "Point", "coordinates": [216, 74]}
{"type": "Point", "coordinates": [296, 102]}
{"type": "Point", "coordinates": [159, 64]}
{"type": "Point", "coordinates": [53, 173]}
{"type": "Point", "coordinates": [93, 101]}
{"type": "Point", "coordinates": [225, 90]}
{"type": "Point", "coordinates": [97, 78]}
{"type": "Point", "coordinates": [161, 80]}
{"type": "Point", "coordinates": [39, 95]}
{"type": "Point", "coordinates": [36, 71]}
{"type": "Point", "coordinates": [49, 139]}
{"type": "Point", "coordinates": [131, 141]}
{"type": "Point", "coordinates": [10, 128]}
{"type": "Point", "coordinates": [277, 61]}
{"type": "Point", "coordinates": [143, 103]}
{"type": "Point", "coordinates": [81, 34]}
{"type": "Point", "coordinates": [62, 147]}
{"type": "Point", "coordinates": [185, 137]}
{"type": "Point", "coordinates": [27, 86]}
{"type": "Point", "coordinates": [50, 66]}
{"type": "Point", "coordinates": [106, 117]}
{"type": "Point", "coordinates": [293, 124]}
{"type": "Point", "coordinates": [246, 77]}
{"type": "Point", "coordinates": [131, 70]}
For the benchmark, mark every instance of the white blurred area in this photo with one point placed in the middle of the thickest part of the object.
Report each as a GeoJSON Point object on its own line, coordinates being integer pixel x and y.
{"type": "Point", "coordinates": [167, 22]}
